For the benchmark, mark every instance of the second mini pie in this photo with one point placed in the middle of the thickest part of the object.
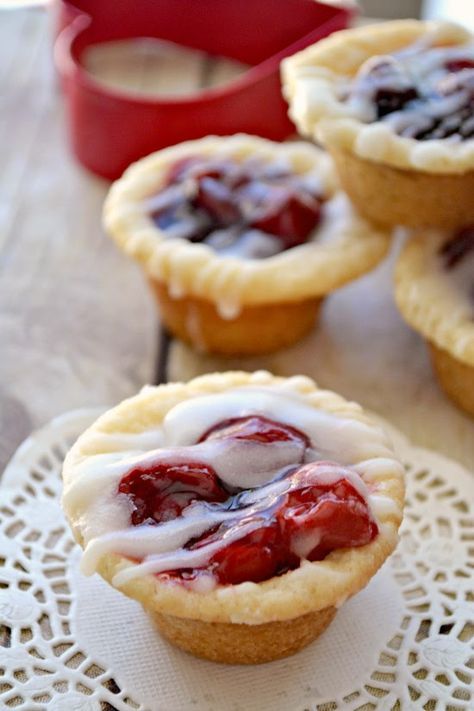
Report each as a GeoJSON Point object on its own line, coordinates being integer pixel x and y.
{"type": "Point", "coordinates": [435, 294]}
{"type": "Point", "coordinates": [394, 104]}
{"type": "Point", "coordinates": [241, 239]}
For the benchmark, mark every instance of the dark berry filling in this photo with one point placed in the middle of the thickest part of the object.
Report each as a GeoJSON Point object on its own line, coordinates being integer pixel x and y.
{"type": "Point", "coordinates": [316, 510]}
{"type": "Point", "coordinates": [438, 105]}
{"type": "Point", "coordinates": [247, 209]}
{"type": "Point", "coordinates": [454, 250]}
{"type": "Point", "coordinates": [390, 100]}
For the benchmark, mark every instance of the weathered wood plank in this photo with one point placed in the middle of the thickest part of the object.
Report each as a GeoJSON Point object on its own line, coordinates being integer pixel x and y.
{"type": "Point", "coordinates": [77, 326]}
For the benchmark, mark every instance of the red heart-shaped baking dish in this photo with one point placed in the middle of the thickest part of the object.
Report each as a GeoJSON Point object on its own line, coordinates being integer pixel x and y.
{"type": "Point", "coordinates": [110, 128]}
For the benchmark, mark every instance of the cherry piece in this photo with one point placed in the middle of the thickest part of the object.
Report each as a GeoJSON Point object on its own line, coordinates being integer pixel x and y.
{"type": "Point", "coordinates": [291, 218]}
{"type": "Point", "coordinates": [166, 218]}
{"type": "Point", "coordinates": [389, 100]}
{"type": "Point", "coordinates": [256, 428]}
{"type": "Point", "coordinates": [458, 247]}
{"type": "Point", "coordinates": [257, 556]}
{"type": "Point", "coordinates": [457, 65]}
{"type": "Point", "coordinates": [390, 85]}
{"type": "Point", "coordinates": [335, 513]}
{"type": "Point", "coordinates": [161, 492]}
{"type": "Point", "coordinates": [217, 199]}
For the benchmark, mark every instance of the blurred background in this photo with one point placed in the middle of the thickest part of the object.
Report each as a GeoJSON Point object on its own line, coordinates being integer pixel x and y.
{"type": "Point", "coordinates": [460, 10]}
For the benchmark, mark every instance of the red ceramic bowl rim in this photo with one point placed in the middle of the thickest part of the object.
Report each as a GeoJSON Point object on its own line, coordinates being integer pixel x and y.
{"type": "Point", "coordinates": [70, 67]}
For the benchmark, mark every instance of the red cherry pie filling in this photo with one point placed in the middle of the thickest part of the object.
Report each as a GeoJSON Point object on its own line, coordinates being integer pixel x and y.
{"type": "Point", "coordinates": [249, 209]}
{"type": "Point", "coordinates": [306, 510]}
{"type": "Point", "coordinates": [422, 93]}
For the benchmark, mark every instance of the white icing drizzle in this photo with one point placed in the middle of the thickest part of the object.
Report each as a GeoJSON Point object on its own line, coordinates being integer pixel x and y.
{"type": "Point", "coordinates": [333, 438]}
{"type": "Point", "coordinates": [228, 310]}
{"type": "Point", "coordinates": [127, 441]}
{"type": "Point", "coordinates": [382, 506]}
{"type": "Point", "coordinates": [419, 66]}
{"type": "Point", "coordinates": [163, 550]}
{"type": "Point", "coordinates": [195, 520]}
{"type": "Point", "coordinates": [230, 241]}
{"type": "Point", "coordinates": [253, 244]}
{"type": "Point", "coordinates": [239, 465]}
{"type": "Point", "coordinates": [102, 514]}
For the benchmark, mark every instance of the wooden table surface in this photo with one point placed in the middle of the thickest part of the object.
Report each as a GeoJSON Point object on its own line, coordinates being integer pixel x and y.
{"type": "Point", "coordinates": [77, 325]}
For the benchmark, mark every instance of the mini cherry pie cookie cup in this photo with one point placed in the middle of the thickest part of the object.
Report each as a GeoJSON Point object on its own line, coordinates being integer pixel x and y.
{"type": "Point", "coordinates": [434, 291]}
{"type": "Point", "coordinates": [242, 265]}
{"type": "Point", "coordinates": [289, 497]}
{"type": "Point", "coordinates": [395, 147]}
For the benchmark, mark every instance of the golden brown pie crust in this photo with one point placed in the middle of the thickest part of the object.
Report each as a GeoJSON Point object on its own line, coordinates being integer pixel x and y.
{"type": "Point", "coordinates": [391, 196]}
{"type": "Point", "coordinates": [443, 316]}
{"type": "Point", "coordinates": [257, 329]}
{"type": "Point", "coordinates": [456, 378]}
{"type": "Point", "coordinates": [244, 644]}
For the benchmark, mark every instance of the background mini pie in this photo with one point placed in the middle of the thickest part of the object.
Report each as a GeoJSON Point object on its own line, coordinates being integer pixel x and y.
{"type": "Point", "coordinates": [435, 294]}
{"type": "Point", "coordinates": [241, 510]}
{"type": "Point", "coordinates": [394, 105]}
{"type": "Point", "coordinates": [241, 239]}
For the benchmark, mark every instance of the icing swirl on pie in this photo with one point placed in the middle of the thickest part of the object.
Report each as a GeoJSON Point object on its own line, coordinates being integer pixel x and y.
{"type": "Point", "coordinates": [420, 92]}
{"type": "Point", "coordinates": [244, 486]}
{"type": "Point", "coordinates": [248, 209]}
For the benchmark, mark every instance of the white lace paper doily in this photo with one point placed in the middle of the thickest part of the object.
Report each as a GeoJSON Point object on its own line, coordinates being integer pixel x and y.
{"type": "Point", "coordinates": [71, 643]}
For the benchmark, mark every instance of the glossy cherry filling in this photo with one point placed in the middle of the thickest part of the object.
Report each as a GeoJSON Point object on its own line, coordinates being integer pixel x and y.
{"type": "Point", "coordinates": [247, 208]}
{"type": "Point", "coordinates": [308, 511]}
{"type": "Point", "coordinates": [336, 511]}
{"type": "Point", "coordinates": [437, 107]}
{"type": "Point", "coordinates": [256, 429]}
{"type": "Point", "coordinates": [161, 492]}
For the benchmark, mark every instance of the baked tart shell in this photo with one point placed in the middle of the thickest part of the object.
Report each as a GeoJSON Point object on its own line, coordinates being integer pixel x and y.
{"type": "Point", "coordinates": [243, 644]}
{"type": "Point", "coordinates": [247, 623]}
{"type": "Point", "coordinates": [256, 330]}
{"type": "Point", "coordinates": [390, 196]}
